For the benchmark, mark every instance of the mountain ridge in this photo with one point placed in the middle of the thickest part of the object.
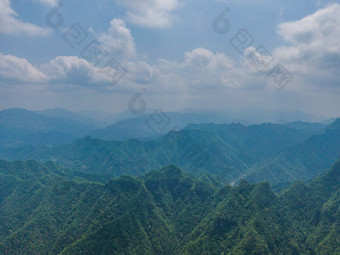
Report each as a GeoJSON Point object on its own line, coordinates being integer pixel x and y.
{"type": "Point", "coordinates": [165, 211]}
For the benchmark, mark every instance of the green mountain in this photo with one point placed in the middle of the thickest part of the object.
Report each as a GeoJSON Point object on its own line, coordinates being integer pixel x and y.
{"type": "Point", "coordinates": [313, 128]}
{"type": "Point", "coordinates": [255, 143]}
{"type": "Point", "coordinates": [145, 127]}
{"type": "Point", "coordinates": [252, 219]}
{"type": "Point", "coordinates": [229, 151]}
{"type": "Point", "coordinates": [62, 113]}
{"type": "Point", "coordinates": [165, 211]}
{"type": "Point", "coordinates": [20, 127]}
{"type": "Point", "coordinates": [302, 161]}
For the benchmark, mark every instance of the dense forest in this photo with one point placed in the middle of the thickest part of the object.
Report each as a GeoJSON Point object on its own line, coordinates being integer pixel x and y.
{"type": "Point", "coordinates": [276, 153]}
{"type": "Point", "coordinates": [202, 189]}
{"type": "Point", "coordinates": [49, 209]}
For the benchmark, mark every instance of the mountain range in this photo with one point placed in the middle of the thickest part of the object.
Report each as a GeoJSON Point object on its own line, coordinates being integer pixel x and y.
{"type": "Point", "coordinates": [230, 152]}
{"type": "Point", "coordinates": [167, 183]}
{"type": "Point", "coordinates": [45, 210]}
{"type": "Point", "coordinates": [22, 127]}
{"type": "Point", "coordinates": [60, 126]}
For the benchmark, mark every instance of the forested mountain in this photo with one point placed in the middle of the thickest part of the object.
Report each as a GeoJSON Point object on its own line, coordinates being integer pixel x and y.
{"type": "Point", "coordinates": [254, 220]}
{"type": "Point", "coordinates": [302, 161]}
{"type": "Point", "coordinates": [229, 151]}
{"type": "Point", "coordinates": [254, 143]}
{"type": "Point", "coordinates": [62, 113]}
{"type": "Point", "coordinates": [273, 152]}
{"type": "Point", "coordinates": [166, 211]}
{"type": "Point", "coordinates": [59, 126]}
{"type": "Point", "coordinates": [143, 127]}
{"type": "Point", "coordinates": [313, 128]}
{"type": "Point", "coordinates": [20, 127]}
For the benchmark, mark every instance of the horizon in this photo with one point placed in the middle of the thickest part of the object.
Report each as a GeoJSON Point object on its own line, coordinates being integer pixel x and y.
{"type": "Point", "coordinates": [219, 116]}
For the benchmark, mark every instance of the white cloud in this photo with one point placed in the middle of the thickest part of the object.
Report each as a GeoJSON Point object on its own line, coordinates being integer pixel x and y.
{"type": "Point", "coordinates": [19, 69]}
{"type": "Point", "coordinates": [315, 29]}
{"type": "Point", "coordinates": [314, 56]}
{"type": "Point", "coordinates": [202, 69]}
{"type": "Point", "coordinates": [203, 58]}
{"type": "Point", "coordinates": [118, 40]}
{"type": "Point", "coordinates": [314, 53]}
{"type": "Point", "coordinates": [150, 13]}
{"type": "Point", "coordinates": [72, 70]}
{"type": "Point", "coordinates": [49, 2]}
{"type": "Point", "coordinates": [10, 24]}
{"type": "Point", "coordinates": [64, 70]}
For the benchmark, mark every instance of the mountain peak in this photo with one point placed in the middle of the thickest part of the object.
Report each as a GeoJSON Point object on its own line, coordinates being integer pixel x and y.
{"type": "Point", "coordinates": [331, 177]}
{"type": "Point", "coordinates": [334, 125]}
{"type": "Point", "coordinates": [172, 171]}
{"type": "Point", "coordinates": [15, 111]}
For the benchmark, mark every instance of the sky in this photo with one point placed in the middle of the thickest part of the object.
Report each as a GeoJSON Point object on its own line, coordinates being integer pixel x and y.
{"type": "Point", "coordinates": [250, 56]}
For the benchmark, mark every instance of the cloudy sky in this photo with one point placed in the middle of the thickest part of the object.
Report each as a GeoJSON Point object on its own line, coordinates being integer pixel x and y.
{"type": "Point", "coordinates": [245, 55]}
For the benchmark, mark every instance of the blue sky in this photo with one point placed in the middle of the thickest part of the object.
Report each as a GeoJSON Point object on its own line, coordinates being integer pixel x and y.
{"type": "Point", "coordinates": [172, 54]}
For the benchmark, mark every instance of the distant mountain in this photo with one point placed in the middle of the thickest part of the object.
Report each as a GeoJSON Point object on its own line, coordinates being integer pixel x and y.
{"type": "Point", "coordinates": [104, 119]}
{"type": "Point", "coordinates": [250, 116]}
{"type": "Point", "coordinates": [255, 143]}
{"type": "Point", "coordinates": [147, 126]}
{"type": "Point", "coordinates": [21, 127]}
{"type": "Point", "coordinates": [163, 212]}
{"type": "Point", "coordinates": [302, 161]}
{"type": "Point", "coordinates": [229, 151]}
{"type": "Point", "coordinates": [313, 128]}
{"type": "Point", "coordinates": [62, 113]}
{"type": "Point", "coordinates": [152, 125]}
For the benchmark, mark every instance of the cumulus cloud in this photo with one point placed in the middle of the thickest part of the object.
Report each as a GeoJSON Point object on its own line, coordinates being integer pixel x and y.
{"type": "Point", "coordinates": [314, 50]}
{"type": "Point", "coordinates": [118, 40]}
{"type": "Point", "coordinates": [150, 13]}
{"type": "Point", "coordinates": [74, 71]}
{"type": "Point", "coordinates": [67, 70]}
{"type": "Point", "coordinates": [19, 69]}
{"type": "Point", "coordinates": [48, 2]}
{"type": "Point", "coordinates": [315, 29]}
{"type": "Point", "coordinates": [201, 57]}
{"type": "Point", "coordinates": [312, 53]}
{"type": "Point", "coordinates": [202, 69]}
{"type": "Point", "coordinates": [199, 71]}
{"type": "Point", "coordinates": [10, 24]}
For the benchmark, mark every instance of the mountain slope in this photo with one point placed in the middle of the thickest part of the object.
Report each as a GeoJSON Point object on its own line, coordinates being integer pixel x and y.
{"type": "Point", "coordinates": [164, 212]}
{"type": "Point", "coordinates": [62, 113]}
{"type": "Point", "coordinates": [229, 151]}
{"type": "Point", "coordinates": [313, 128]}
{"type": "Point", "coordinates": [254, 220]}
{"type": "Point", "coordinates": [255, 142]}
{"type": "Point", "coordinates": [21, 127]}
{"type": "Point", "coordinates": [146, 126]}
{"type": "Point", "coordinates": [303, 161]}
